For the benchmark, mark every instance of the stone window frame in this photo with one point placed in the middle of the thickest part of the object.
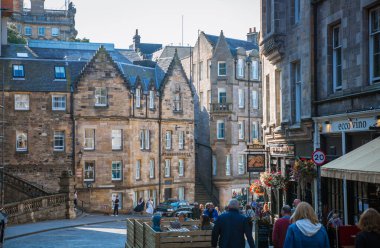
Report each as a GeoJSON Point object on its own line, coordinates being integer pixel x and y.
{"type": "Point", "coordinates": [255, 70]}
{"type": "Point", "coordinates": [255, 99]}
{"type": "Point", "coordinates": [255, 130]}
{"type": "Point", "coordinates": [181, 193]}
{"type": "Point", "coordinates": [144, 139]}
{"type": "Point", "coordinates": [241, 99]}
{"type": "Point", "coordinates": [220, 131]}
{"type": "Point", "coordinates": [241, 164]}
{"type": "Point", "coordinates": [18, 71]}
{"type": "Point", "coordinates": [101, 97]}
{"type": "Point", "coordinates": [181, 140]}
{"type": "Point", "coordinates": [220, 69]}
{"type": "Point", "coordinates": [54, 105]}
{"type": "Point", "coordinates": [168, 140]}
{"type": "Point", "coordinates": [116, 169]}
{"type": "Point", "coordinates": [55, 31]}
{"type": "Point", "coordinates": [19, 102]}
{"type": "Point", "coordinates": [167, 169]}
{"type": "Point", "coordinates": [115, 137]}
{"type": "Point", "coordinates": [336, 45]}
{"type": "Point", "coordinates": [151, 169]}
{"type": "Point", "coordinates": [87, 170]}
{"type": "Point", "coordinates": [59, 72]}
{"type": "Point", "coordinates": [27, 29]}
{"type": "Point", "coordinates": [371, 35]}
{"type": "Point", "coordinates": [138, 170]}
{"type": "Point", "coordinates": [59, 136]}
{"type": "Point", "coordinates": [181, 167]}
{"type": "Point", "coordinates": [41, 31]}
{"type": "Point", "coordinates": [241, 130]}
{"type": "Point", "coordinates": [89, 138]}
{"type": "Point", "coordinates": [228, 165]}
{"type": "Point", "coordinates": [138, 94]}
{"type": "Point", "coordinates": [240, 68]}
{"type": "Point", "coordinates": [21, 141]}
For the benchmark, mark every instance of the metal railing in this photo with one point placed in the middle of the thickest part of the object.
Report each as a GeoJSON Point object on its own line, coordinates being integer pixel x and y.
{"type": "Point", "coordinates": [221, 107]}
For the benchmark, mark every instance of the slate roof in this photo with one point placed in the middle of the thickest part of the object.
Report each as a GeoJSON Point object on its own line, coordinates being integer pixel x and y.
{"type": "Point", "coordinates": [233, 43]}
{"type": "Point", "coordinates": [40, 58]}
{"type": "Point", "coordinates": [149, 48]}
{"type": "Point", "coordinates": [168, 52]}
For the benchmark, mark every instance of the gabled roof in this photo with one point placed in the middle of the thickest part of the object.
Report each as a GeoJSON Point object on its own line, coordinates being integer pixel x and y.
{"type": "Point", "coordinates": [168, 52]}
{"type": "Point", "coordinates": [233, 44]}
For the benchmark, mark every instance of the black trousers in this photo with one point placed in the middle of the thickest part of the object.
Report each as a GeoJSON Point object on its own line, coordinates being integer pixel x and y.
{"type": "Point", "coordinates": [116, 209]}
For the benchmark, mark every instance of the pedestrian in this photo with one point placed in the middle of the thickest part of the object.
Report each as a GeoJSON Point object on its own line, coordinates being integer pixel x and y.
{"type": "Point", "coordinates": [140, 206]}
{"type": "Point", "coordinates": [369, 224]}
{"type": "Point", "coordinates": [75, 199]}
{"type": "Point", "coordinates": [156, 223]}
{"type": "Point", "coordinates": [250, 214]}
{"type": "Point", "coordinates": [295, 204]}
{"type": "Point", "coordinates": [217, 210]}
{"type": "Point", "coordinates": [116, 206]}
{"type": "Point", "coordinates": [266, 214]}
{"type": "Point", "coordinates": [149, 206]}
{"type": "Point", "coordinates": [206, 223]}
{"type": "Point", "coordinates": [211, 212]}
{"type": "Point", "coordinates": [196, 212]}
{"type": "Point", "coordinates": [201, 208]}
{"type": "Point", "coordinates": [230, 228]}
{"type": "Point", "coordinates": [305, 230]}
{"type": "Point", "coordinates": [281, 227]}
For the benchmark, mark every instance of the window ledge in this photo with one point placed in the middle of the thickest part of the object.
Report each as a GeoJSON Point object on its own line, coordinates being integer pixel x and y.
{"type": "Point", "coordinates": [89, 149]}
{"type": "Point", "coordinates": [19, 79]}
{"type": "Point", "coordinates": [117, 150]}
{"type": "Point", "coordinates": [177, 111]}
{"type": "Point", "coordinates": [117, 180]}
{"type": "Point", "coordinates": [101, 106]}
{"type": "Point", "coordinates": [60, 80]}
{"type": "Point", "coordinates": [59, 151]}
{"type": "Point", "coordinates": [58, 110]}
{"type": "Point", "coordinates": [22, 110]}
{"type": "Point", "coordinates": [21, 152]}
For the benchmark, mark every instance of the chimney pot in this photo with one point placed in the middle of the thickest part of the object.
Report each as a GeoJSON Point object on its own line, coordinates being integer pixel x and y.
{"type": "Point", "coordinates": [254, 29]}
{"type": "Point", "coordinates": [250, 30]}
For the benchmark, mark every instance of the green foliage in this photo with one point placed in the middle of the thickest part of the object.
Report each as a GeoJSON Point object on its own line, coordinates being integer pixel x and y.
{"type": "Point", "coordinates": [84, 40]}
{"type": "Point", "coordinates": [14, 36]}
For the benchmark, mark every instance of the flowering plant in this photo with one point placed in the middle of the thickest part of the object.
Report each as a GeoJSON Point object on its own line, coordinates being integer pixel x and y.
{"type": "Point", "coordinates": [273, 179]}
{"type": "Point", "coordinates": [256, 188]}
{"type": "Point", "coordinates": [303, 169]}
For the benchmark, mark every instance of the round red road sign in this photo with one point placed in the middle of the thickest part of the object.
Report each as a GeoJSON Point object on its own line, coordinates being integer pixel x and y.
{"type": "Point", "coordinates": [319, 157]}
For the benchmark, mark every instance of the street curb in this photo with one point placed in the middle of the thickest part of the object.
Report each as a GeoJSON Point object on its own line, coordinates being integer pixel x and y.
{"type": "Point", "coordinates": [60, 228]}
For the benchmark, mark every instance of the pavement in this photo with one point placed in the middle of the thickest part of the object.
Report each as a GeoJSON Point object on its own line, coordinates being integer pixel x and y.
{"type": "Point", "coordinates": [16, 231]}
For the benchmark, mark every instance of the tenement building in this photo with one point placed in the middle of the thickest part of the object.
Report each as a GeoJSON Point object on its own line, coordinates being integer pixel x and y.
{"type": "Point", "coordinates": [225, 73]}
{"type": "Point", "coordinates": [285, 50]}
{"type": "Point", "coordinates": [38, 23]}
{"type": "Point", "coordinates": [122, 129]}
{"type": "Point", "coordinates": [347, 104]}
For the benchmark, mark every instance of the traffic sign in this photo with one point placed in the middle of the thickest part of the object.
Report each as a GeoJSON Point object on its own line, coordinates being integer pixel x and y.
{"type": "Point", "coordinates": [319, 157]}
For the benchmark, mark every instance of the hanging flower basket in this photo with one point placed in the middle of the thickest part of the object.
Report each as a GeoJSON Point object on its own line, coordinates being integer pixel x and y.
{"type": "Point", "coordinates": [273, 180]}
{"type": "Point", "coordinates": [256, 188]}
{"type": "Point", "coordinates": [303, 169]}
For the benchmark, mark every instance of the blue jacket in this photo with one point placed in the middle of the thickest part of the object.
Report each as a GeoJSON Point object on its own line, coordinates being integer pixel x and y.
{"type": "Point", "coordinates": [212, 215]}
{"type": "Point", "coordinates": [296, 239]}
{"type": "Point", "coordinates": [229, 230]}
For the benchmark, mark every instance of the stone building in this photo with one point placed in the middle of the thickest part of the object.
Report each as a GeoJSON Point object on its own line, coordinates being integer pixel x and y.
{"type": "Point", "coordinates": [122, 129]}
{"type": "Point", "coordinates": [225, 74]}
{"type": "Point", "coordinates": [38, 23]}
{"type": "Point", "coordinates": [288, 88]}
{"type": "Point", "coordinates": [347, 103]}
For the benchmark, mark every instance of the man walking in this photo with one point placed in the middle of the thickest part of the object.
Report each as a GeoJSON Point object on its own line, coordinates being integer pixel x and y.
{"type": "Point", "coordinates": [230, 228]}
{"type": "Point", "coordinates": [196, 211]}
{"type": "Point", "coordinates": [281, 227]}
{"type": "Point", "coordinates": [295, 204]}
{"type": "Point", "coordinates": [116, 206]}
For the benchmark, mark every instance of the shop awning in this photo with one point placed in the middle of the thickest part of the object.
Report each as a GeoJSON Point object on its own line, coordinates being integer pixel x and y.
{"type": "Point", "coordinates": [361, 164]}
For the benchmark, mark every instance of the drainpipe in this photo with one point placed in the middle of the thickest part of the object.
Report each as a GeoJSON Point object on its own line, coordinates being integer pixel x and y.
{"type": "Point", "coordinates": [72, 116]}
{"type": "Point", "coordinates": [159, 147]}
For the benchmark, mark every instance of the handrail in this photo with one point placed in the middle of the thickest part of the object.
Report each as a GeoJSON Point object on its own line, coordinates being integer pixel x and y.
{"type": "Point", "coordinates": [24, 186]}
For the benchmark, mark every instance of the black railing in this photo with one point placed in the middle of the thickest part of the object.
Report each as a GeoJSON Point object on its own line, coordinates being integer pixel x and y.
{"type": "Point", "coordinates": [221, 107]}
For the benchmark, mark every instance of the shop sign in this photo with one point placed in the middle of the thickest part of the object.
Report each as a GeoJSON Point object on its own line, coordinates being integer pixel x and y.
{"type": "Point", "coordinates": [354, 124]}
{"type": "Point", "coordinates": [255, 162]}
{"type": "Point", "coordinates": [255, 147]}
{"type": "Point", "coordinates": [282, 150]}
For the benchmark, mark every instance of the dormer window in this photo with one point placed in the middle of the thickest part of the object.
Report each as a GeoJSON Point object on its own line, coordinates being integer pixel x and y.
{"type": "Point", "coordinates": [151, 99]}
{"type": "Point", "coordinates": [60, 72]}
{"type": "Point", "coordinates": [18, 71]}
{"type": "Point", "coordinates": [138, 97]}
{"type": "Point", "coordinates": [222, 68]}
{"type": "Point", "coordinates": [41, 31]}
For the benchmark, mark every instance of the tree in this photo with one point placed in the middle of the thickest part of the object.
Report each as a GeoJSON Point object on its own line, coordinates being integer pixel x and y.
{"type": "Point", "coordinates": [14, 36]}
{"type": "Point", "coordinates": [84, 39]}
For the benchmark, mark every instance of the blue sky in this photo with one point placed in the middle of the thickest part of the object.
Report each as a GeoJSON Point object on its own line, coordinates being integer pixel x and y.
{"type": "Point", "coordinates": [159, 21]}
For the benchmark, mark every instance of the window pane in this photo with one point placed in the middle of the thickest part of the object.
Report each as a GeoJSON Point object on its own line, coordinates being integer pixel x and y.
{"type": "Point", "coordinates": [376, 55]}
{"type": "Point", "coordinates": [59, 140]}
{"type": "Point", "coordinates": [89, 171]}
{"type": "Point", "coordinates": [116, 170]}
{"type": "Point", "coordinates": [89, 138]}
{"type": "Point", "coordinates": [18, 71]}
{"type": "Point", "coordinates": [100, 96]}
{"type": "Point", "coordinates": [116, 139]}
{"type": "Point", "coordinates": [60, 72]}
{"type": "Point", "coordinates": [21, 102]}
{"type": "Point", "coordinates": [59, 102]}
{"type": "Point", "coordinates": [21, 141]}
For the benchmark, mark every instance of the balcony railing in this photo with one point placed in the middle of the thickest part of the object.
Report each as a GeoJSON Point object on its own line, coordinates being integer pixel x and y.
{"type": "Point", "coordinates": [221, 107]}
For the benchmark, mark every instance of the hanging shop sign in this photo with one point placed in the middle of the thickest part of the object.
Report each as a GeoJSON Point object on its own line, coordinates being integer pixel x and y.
{"type": "Point", "coordinates": [282, 150]}
{"type": "Point", "coordinates": [255, 162]}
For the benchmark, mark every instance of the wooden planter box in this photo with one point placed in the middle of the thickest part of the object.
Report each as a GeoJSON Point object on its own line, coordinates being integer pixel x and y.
{"type": "Point", "coordinates": [141, 235]}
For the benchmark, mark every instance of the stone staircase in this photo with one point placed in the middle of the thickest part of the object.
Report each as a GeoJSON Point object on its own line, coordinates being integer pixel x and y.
{"type": "Point", "coordinates": [20, 189]}
{"type": "Point", "coordinates": [202, 196]}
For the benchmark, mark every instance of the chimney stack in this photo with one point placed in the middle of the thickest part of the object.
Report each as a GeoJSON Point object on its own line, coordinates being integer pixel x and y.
{"type": "Point", "coordinates": [252, 35]}
{"type": "Point", "coordinates": [37, 6]}
{"type": "Point", "coordinates": [136, 40]}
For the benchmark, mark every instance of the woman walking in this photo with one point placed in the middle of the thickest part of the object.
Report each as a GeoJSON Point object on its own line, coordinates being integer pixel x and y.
{"type": "Point", "coordinates": [369, 224]}
{"type": "Point", "coordinates": [149, 207]}
{"type": "Point", "coordinates": [305, 231]}
{"type": "Point", "coordinates": [140, 206]}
